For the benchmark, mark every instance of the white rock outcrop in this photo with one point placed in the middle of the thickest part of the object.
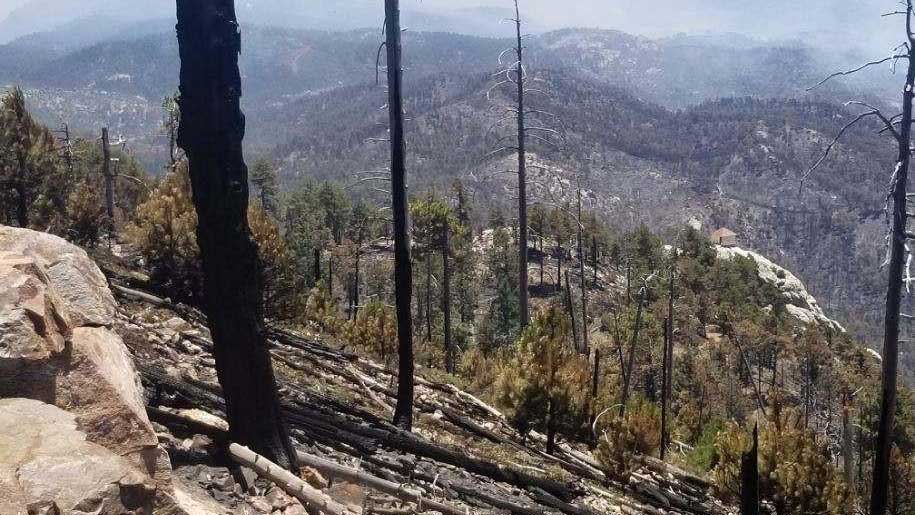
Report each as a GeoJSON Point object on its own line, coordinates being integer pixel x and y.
{"type": "Point", "coordinates": [801, 304]}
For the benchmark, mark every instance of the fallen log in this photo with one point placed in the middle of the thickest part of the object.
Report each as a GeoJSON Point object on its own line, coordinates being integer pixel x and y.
{"type": "Point", "coordinates": [510, 502]}
{"type": "Point", "coordinates": [358, 477]}
{"type": "Point", "coordinates": [169, 419]}
{"type": "Point", "coordinates": [394, 438]}
{"type": "Point", "coordinates": [148, 298]}
{"type": "Point", "coordinates": [384, 434]}
{"type": "Point", "coordinates": [288, 481]}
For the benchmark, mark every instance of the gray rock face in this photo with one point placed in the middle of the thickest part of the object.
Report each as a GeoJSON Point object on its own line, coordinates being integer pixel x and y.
{"type": "Point", "coordinates": [55, 307]}
{"type": "Point", "coordinates": [33, 324]}
{"type": "Point", "coordinates": [56, 347]}
{"type": "Point", "coordinates": [72, 274]}
{"type": "Point", "coordinates": [45, 459]}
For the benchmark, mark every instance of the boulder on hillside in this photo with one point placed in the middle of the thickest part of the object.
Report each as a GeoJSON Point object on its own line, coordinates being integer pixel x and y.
{"type": "Point", "coordinates": [56, 347]}
{"type": "Point", "coordinates": [46, 461]}
{"type": "Point", "coordinates": [72, 274]}
{"type": "Point", "coordinates": [33, 323]}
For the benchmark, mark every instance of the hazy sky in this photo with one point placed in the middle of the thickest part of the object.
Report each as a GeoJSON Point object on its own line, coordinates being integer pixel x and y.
{"type": "Point", "coordinates": [841, 22]}
{"type": "Point", "coordinates": [760, 18]}
{"type": "Point", "coordinates": [6, 6]}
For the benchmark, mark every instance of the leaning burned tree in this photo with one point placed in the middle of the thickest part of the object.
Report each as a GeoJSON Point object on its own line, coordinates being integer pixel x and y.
{"type": "Point", "coordinates": [211, 131]}
{"type": "Point", "coordinates": [900, 128]}
{"type": "Point", "coordinates": [403, 274]}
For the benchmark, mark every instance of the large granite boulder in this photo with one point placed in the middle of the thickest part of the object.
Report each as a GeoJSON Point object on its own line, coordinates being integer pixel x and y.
{"type": "Point", "coordinates": [56, 346]}
{"type": "Point", "coordinates": [45, 460]}
{"type": "Point", "coordinates": [33, 323]}
{"type": "Point", "coordinates": [55, 309]}
{"type": "Point", "coordinates": [72, 274]}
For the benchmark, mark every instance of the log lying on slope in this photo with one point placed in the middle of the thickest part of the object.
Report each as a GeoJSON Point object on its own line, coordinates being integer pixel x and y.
{"type": "Point", "coordinates": [288, 481]}
{"type": "Point", "coordinates": [311, 417]}
{"type": "Point", "coordinates": [329, 420]}
{"type": "Point", "coordinates": [293, 485]}
{"type": "Point", "coordinates": [332, 469]}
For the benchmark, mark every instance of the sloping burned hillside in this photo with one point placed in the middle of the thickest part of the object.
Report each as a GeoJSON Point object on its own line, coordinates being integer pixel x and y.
{"type": "Point", "coordinates": [463, 457]}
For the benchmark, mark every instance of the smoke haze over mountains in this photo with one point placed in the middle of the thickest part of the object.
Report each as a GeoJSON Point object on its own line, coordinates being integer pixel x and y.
{"type": "Point", "coordinates": [844, 24]}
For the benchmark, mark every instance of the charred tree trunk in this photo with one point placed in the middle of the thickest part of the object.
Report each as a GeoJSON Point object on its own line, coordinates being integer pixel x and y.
{"type": "Point", "coordinates": [428, 297]}
{"type": "Point", "coordinates": [570, 307]}
{"type": "Point", "coordinates": [594, 261]}
{"type": "Point", "coordinates": [550, 427]}
{"type": "Point", "coordinates": [446, 300]}
{"type": "Point", "coordinates": [522, 179]}
{"type": "Point", "coordinates": [109, 180]}
{"type": "Point", "coordinates": [585, 346]}
{"type": "Point", "coordinates": [630, 360]}
{"type": "Point", "coordinates": [316, 267]}
{"type": "Point", "coordinates": [356, 284]}
{"type": "Point", "coordinates": [668, 366]}
{"type": "Point", "coordinates": [403, 274]}
{"type": "Point", "coordinates": [665, 396]}
{"type": "Point", "coordinates": [211, 132]}
{"type": "Point", "coordinates": [749, 478]}
{"type": "Point", "coordinates": [848, 446]}
{"type": "Point", "coordinates": [541, 261]}
{"type": "Point", "coordinates": [885, 428]}
{"type": "Point", "coordinates": [595, 383]}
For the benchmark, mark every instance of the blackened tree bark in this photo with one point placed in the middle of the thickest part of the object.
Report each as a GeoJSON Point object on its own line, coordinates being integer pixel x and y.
{"type": "Point", "coordinates": [595, 383]}
{"type": "Point", "coordinates": [885, 427]}
{"type": "Point", "coordinates": [403, 274]}
{"type": "Point", "coordinates": [585, 345]}
{"type": "Point", "coordinates": [594, 261]}
{"type": "Point", "coordinates": [356, 280]}
{"type": "Point", "coordinates": [446, 296]}
{"type": "Point", "coordinates": [900, 127]}
{"type": "Point", "coordinates": [668, 362]}
{"type": "Point", "coordinates": [522, 177]}
{"type": "Point", "coordinates": [630, 360]}
{"type": "Point", "coordinates": [211, 132]}
{"type": "Point", "coordinates": [570, 307]}
{"type": "Point", "coordinates": [749, 478]}
{"type": "Point", "coordinates": [428, 319]}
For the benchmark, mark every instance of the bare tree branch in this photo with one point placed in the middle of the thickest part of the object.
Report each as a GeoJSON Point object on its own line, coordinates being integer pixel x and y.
{"type": "Point", "coordinates": [855, 70]}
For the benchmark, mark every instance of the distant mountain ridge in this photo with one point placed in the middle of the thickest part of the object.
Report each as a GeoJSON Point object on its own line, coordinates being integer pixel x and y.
{"type": "Point", "coordinates": [107, 17]}
{"type": "Point", "coordinates": [717, 128]}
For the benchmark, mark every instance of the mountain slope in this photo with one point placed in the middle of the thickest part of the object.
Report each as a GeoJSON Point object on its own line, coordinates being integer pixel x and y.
{"type": "Point", "coordinates": [642, 116]}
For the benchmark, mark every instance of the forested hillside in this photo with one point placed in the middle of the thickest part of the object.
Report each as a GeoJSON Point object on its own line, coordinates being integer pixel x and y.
{"type": "Point", "coordinates": [311, 103]}
{"type": "Point", "coordinates": [582, 272]}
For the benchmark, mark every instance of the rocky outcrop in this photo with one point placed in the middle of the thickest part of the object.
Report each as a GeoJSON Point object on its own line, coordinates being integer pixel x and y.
{"type": "Point", "coordinates": [45, 460]}
{"type": "Point", "coordinates": [73, 275]}
{"type": "Point", "coordinates": [801, 304]}
{"type": "Point", "coordinates": [57, 347]}
{"type": "Point", "coordinates": [33, 324]}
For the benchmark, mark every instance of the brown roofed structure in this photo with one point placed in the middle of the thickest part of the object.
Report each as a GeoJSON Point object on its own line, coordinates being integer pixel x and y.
{"type": "Point", "coordinates": [724, 237]}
